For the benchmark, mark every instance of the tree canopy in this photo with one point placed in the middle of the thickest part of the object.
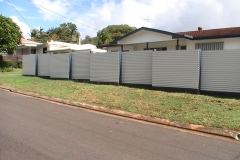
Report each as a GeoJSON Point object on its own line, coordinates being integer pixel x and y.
{"type": "Point", "coordinates": [112, 32]}
{"type": "Point", "coordinates": [10, 35]}
{"type": "Point", "coordinates": [66, 32]}
{"type": "Point", "coordinates": [90, 40]}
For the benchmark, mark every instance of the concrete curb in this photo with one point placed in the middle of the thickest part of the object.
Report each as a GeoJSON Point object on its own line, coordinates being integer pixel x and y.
{"type": "Point", "coordinates": [193, 127]}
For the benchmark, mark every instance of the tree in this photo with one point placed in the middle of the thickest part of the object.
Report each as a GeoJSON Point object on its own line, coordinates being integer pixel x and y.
{"type": "Point", "coordinates": [66, 32]}
{"type": "Point", "coordinates": [90, 40]}
{"type": "Point", "coordinates": [10, 35]}
{"type": "Point", "coordinates": [112, 32]}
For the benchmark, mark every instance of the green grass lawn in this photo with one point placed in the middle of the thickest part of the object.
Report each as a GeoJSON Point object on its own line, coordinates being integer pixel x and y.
{"type": "Point", "coordinates": [183, 107]}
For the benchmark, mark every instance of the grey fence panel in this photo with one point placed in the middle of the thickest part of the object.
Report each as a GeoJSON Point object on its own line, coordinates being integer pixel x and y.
{"type": "Point", "coordinates": [104, 67]}
{"type": "Point", "coordinates": [176, 69]}
{"type": "Point", "coordinates": [137, 67]}
{"type": "Point", "coordinates": [81, 65]}
{"type": "Point", "coordinates": [221, 71]}
{"type": "Point", "coordinates": [29, 65]}
{"type": "Point", "coordinates": [44, 65]}
{"type": "Point", "coordinates": [60, 65]}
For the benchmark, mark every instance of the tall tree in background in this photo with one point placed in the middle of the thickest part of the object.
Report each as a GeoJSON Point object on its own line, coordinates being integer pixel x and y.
{"type": "Point", "coordinates": [112, 32]}
{"type": "Point", "coordinates": [90, 40]}
{"type": "Point", "coordinates": [66, 32]}
{"type": "Point", "coordinates": [10, 35]}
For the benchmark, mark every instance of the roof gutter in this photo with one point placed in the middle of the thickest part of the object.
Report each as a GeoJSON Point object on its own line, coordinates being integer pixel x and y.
{"type": "Point", "coordinates": [216, 37]}
{"type": "Point", "coordinates": [188, 36]}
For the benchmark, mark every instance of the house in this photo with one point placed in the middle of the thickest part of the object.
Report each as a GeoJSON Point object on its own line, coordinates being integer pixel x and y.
{"type": "Point", "coordinates": [25, 48]}
{"type": "Point", "coordinates": [62, 47]}
{"type": "Point", "coordinates": [31, 47]}
{"type": "Point", "coordinates": [153, 39]}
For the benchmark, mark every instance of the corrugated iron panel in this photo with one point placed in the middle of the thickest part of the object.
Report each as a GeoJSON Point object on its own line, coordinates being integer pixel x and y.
{"type": "Point", "coordinates": [104, 67]}
{"type": "Point", "coordinates": [81, 65]}
{"type": "Point", "coordinates": [43, 64]}
{"type": "Point", "coordinates": [137, 67]}
{"type": "Point", "coordinates": [176, 69]}
{"type": "Point", "coordinates": [29, 65]}
{"type": "Point", "coordinates": [60, 65]}
{"type": "Point", "coordinates": [221, 71]}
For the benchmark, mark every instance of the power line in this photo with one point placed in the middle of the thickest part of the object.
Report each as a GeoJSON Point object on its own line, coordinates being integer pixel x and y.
{"type": "Point", "coordinates": [19, 14]}
{"type": "Point", "coordinates": [64, 16]}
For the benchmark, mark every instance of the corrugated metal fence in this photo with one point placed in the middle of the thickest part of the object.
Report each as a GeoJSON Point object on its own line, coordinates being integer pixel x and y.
{"type": "Point", "coordinates": [29, 65]}
{"type": "Point", "coordinates": [80, 65]}
{"type": "Point", "coordinates": [60, 65]}
{"type": "Point", "coordinates": [221, 71]}
{"type": "Point", "coordinates": [214, 71]}
{"type": "Point", "coordinates": [44, 65]}
{"type": "Point", "coordinates": [104, 67]}
{"type": "Point", "coordinates": [173, 69]}
{"type": "Point", "coordinates": [137, 67]}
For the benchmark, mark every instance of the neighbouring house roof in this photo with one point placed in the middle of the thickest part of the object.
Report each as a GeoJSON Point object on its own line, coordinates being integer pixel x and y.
{"type": "Point", "coordinates": [27, 43]}
{"type": "Point", "coordinates": [62, 46]}
{"type": "Point", "coordinates": [213, 33]}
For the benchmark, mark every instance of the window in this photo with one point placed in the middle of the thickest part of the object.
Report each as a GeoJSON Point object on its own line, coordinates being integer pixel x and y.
{"type": "Point", "coordinates": [183, 47]}
{"type": "Point", "coordinates": [33, 51]}
{"type": "Point", "coordinates": [157, 49]}
{"type": "Point", "coordinates": [45, 50]}
{"type": "Point", "coordinates": [209, 46]}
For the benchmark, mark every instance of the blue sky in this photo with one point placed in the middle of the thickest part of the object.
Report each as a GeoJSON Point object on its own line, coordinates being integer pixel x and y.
{"type": "Point", "coordinates": [93, 15]}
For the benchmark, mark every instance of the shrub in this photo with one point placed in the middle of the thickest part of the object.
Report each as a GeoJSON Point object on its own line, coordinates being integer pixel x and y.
{"type": "Point", "coordinates": [1, 58]}
{"type": "Point", "coordinates": [18, 64]}
{"type": "Point", "coordinates": [6, 64]}
{"type": "Point", "coordinates": [6, 69]}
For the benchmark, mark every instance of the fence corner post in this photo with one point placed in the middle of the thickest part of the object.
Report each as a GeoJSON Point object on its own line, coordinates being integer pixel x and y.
{"type": "Point", "coordinates": [200, 70]}
{"type": "Point", "coordinates": [120, 67]}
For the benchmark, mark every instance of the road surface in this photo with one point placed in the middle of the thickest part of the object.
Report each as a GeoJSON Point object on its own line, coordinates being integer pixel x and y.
{"type": "Point", "coordinates": [33, 129]}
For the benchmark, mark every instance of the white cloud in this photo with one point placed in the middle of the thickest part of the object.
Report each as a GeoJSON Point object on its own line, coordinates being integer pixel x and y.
{"type": "Point", "coordinates": [24, 27]}
{"type": "Point", "coordinates": [169, 15]}
{"type": "Point", "coordinates": [16, 7]}
{"type": "Point", "coordinates": [62, 7]}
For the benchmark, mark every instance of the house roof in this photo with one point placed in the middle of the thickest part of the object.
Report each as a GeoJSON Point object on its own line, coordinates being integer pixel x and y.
{"type": "Point", "coordinates": [213, 33]}
{"type": "Point", "coordinates": [175, 35]}
{"type": "Point", "coordinates": [27, 41]}
{"type": "Point", "coordinates": [63, 46]}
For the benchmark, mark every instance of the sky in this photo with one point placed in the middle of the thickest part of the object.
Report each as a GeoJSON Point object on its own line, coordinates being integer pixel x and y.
{"type": "Point", "coordinates": [90, 16]}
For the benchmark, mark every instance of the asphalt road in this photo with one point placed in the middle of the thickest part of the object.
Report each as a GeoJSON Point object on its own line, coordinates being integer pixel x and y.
{"type": "Point", "coordinates": [34, 129]}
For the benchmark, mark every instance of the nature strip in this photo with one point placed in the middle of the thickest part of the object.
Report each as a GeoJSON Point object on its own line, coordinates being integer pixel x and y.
{"type": "Point", "coordinates": [193, 127]}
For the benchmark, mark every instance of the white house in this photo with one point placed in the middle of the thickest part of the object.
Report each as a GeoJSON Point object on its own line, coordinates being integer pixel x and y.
{"type": "Point", "coordinates": [154, 39]}
{"type": "Point", "coordinates": [31, 47]}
